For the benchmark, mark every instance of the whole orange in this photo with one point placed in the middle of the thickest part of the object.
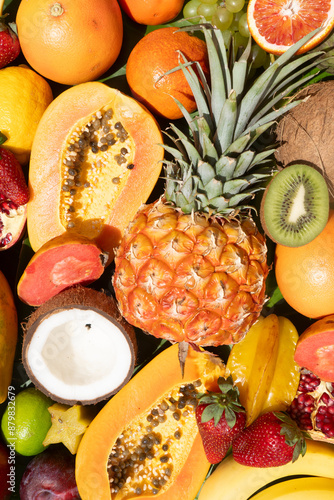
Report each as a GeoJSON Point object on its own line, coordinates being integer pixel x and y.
{"type": "Point", "coordinates": [152, 12]}
{"type": "Point", "coordinates": [305, 275]}
{"type": "Point", "coordinates": [70, 41]}
{"type": "Point", "coordinates": [154, 55]}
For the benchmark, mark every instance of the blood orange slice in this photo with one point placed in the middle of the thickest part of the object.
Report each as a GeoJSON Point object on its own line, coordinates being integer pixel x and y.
{"type": "Point", "coordinates": [275, 25]}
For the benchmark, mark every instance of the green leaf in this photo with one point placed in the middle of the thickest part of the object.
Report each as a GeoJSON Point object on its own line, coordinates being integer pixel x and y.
{"type": "Point", "coordinates": [219, 72]}
{"type": "Point", "coordinates": [275, 298]}
{"type": "Point", "coordinates": [226, 123]}
{"type": "Point", "coordinates": [244, 162]}
{"type": "Point", "coordinates": [3, 138]}
{"type": "Point", "coordinates": [212, 411]}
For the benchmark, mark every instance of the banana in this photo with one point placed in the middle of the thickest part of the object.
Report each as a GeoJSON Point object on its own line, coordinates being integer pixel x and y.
{"type": "Point", "coordinates": [233, 481]}
{"type": "Point", "coordinates": [8, 335]}
{"type": "Point", "coordinates": [302, 488]}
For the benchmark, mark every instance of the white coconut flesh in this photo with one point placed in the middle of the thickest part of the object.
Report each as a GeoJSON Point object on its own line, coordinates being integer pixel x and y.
{"type": "Point", "coordinates": [79, 355]}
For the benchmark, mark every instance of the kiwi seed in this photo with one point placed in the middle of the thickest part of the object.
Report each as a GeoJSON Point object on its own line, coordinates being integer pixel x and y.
{"type": "Point", "coordinates": [295, 206]}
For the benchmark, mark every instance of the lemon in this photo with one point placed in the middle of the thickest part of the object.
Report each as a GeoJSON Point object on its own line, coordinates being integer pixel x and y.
{"type": "Point", "coordinates": [26, 422]}
{"type": "Point", "coordinates": [24, 97]}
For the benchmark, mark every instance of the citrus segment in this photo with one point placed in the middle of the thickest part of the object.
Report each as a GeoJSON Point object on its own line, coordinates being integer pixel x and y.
{"type": "Point", "coordinates": [275, 25]}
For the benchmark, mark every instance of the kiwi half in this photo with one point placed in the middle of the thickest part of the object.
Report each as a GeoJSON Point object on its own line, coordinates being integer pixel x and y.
{"type": "Point", "coordinates": [295, 206]}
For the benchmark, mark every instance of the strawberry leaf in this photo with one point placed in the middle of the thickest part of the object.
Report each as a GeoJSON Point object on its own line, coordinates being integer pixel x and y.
{"type": "Point", "coordinates": [294, 436]}
{"type": "Point", "coordinates": [225, 385]}
{"type": "Point", "coordinates": [219, 402]}
{"type": "Point", "coordinates": [230, 417]}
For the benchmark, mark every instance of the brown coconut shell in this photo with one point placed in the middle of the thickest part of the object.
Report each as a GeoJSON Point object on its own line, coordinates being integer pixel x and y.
{"type": "Point", "coordinates": [83, 298]}
{"type": "Point", "coordinates": [306, 132]}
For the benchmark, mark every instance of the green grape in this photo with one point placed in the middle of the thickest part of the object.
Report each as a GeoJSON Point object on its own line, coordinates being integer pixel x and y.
{"type": "Point", "coordinates": [243, 25]}
{"type": "Point", "coordinates": [222, 18]}
{"type": "Point", "coordinates": [190, 10]}
{"type": "Point", "coordinates": [235, 23]}
{"type": "Point", "coordinates": [258, 56]}
{"type": "Point", "coordinates": [227, 37]}
{"type": "Point", "coordinates": [207, 10]}
{"type": "Point", "coordinates": [209, 2]}
{"type": "Point", "coordinates": [234, 5]}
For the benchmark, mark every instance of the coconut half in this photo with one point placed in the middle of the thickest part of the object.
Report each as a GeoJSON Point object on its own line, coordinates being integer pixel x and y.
{"type": "Point", "coordinates": [77, 348]}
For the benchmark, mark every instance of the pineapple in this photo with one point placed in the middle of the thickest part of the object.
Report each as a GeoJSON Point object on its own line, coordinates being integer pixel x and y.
{"type": "Point", "coordinates": [192, 267]}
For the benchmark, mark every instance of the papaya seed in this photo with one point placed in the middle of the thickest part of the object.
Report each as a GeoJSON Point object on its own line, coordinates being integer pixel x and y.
{"type": "Point", "coordinates": [137, 461]}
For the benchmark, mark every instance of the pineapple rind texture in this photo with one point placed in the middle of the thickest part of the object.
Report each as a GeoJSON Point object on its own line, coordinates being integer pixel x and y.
{"type": "Point", "coordinates": [191, 277]}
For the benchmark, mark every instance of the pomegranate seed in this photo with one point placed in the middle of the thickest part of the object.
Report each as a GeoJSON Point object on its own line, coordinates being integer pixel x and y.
{"type": "Point", "coordinates": [305, 400]}
{"type": "Point", "coordinates": [325, 398]}
{"type": "Point", "coordinates": [7, 206]}
{"type": "Point", "coordinates": [308, 382]}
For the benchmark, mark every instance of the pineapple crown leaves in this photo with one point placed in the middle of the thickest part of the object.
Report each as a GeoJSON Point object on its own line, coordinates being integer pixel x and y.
{"type": "Point", "coordinates": [219, 403]}
{"type": "Point", "coordinates": [294, 436]}
{"type": "Point", "coordinates": [215, 169]}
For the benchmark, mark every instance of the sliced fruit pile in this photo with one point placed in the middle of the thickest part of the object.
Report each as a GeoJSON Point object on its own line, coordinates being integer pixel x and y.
{"type": "Point", "coordinates": [167, 256]}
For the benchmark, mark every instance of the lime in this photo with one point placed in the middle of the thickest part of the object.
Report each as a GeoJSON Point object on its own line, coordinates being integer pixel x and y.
{"type": "Point", "coordinates": [26, 422]}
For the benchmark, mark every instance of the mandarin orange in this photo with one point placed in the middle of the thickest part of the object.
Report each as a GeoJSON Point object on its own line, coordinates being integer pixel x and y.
{"type": "Point", "coordinates": [70, 41]}
{"type": "Point", "coordinates": [152, 12]}
{"type": "Point", "coordinates": [155, 54]}
{"type": "Point", "coordinates": [305, 275]}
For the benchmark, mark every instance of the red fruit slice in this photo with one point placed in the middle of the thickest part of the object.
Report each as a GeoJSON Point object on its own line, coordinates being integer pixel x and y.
{"type": "Point", "coordinates": [315, 349]}
{"type": "Point", "coordinates": [64, 261]}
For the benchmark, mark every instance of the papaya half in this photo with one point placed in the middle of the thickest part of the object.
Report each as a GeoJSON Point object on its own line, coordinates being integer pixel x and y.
{"type": "Point", "coordinates": [8, 335]}
{"type": "Point", "coordinates": [96, 157]}
{"type": "Point", "coordinates": [145, 441]}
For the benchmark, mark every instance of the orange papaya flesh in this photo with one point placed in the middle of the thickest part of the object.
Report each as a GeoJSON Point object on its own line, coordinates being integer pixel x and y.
{"type": "Point", "coordinates": [315, 349]}
{"type": "Point", "coordinates": [96, 157]}
{"type": "Point", "coordinates": [65, 260]}
{"type": "Point", "coordinates": [8, 335]}
{"type": "Point", "coordinates": [148, 430]}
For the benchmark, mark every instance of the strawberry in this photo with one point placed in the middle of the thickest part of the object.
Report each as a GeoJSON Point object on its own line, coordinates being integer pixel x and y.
{"type": "Point", "coordinates": [9, 43]}
{"type": "Point", "coordinates": [220, 417]}
{"type": "Point", "coordinates": [273, 439]}
{"type": "Point", "coordinates": [13, 185]}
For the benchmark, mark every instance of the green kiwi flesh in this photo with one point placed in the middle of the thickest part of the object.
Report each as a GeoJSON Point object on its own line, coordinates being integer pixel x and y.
{"type": "Point", "coordinates": [295, 206]}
